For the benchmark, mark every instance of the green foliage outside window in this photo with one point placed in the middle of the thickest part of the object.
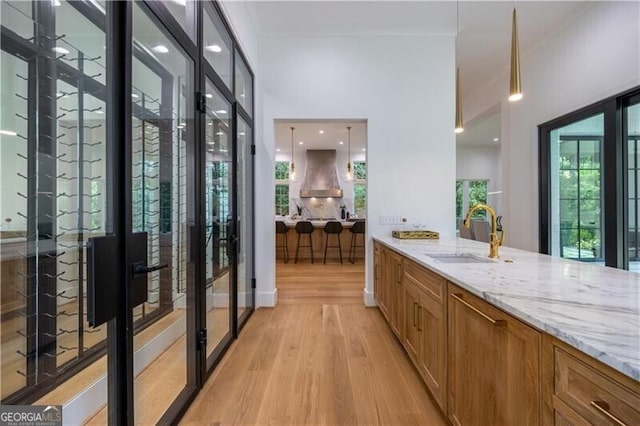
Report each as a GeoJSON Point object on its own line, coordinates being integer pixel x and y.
{"type": "Point", "coordinates": [359, 196]}
{"type": "Point", "coordinates": [478, 195]}
{"type": "Point", "coordinates": [579, 198]}
{"type": "Point", "coordinates": [282, 170]}
{"type": "Point", "coordinates": [360, 170]}
{"type": "Point", "coordinates": [459, 186]}
{"type": "Point", "coordinates": [282, 200]}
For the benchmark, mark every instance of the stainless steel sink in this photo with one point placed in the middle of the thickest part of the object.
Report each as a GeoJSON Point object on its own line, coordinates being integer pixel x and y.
{"type": "Point", "coordinates": [459, 258]}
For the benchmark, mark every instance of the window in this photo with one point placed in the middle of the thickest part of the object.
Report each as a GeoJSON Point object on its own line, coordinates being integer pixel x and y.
{"type": "Point", "coordinates": [282, 170]}
{"type": "Point", "coordinates": [468, 194]}
{"type": "Point", "coordinates": [588, 183]}
{"type": "Point", "coordinates": [282, 188]}
{"type": "Point", "coordinates": [359, 187]}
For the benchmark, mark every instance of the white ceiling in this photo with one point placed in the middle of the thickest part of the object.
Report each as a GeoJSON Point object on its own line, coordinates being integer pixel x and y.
{"type": "Point", "coordinates": [481, 131]}
{"type": "Point", "coordinates": [308, 132]}
{"type": "Point", "coordinates": [485, 26]}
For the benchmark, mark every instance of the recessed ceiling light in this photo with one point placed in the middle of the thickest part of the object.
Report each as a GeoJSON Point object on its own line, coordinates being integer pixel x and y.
{"type": "Point", "coordinates": [364, 149]}
{"type": "Point", "coordinates": [241, 133]}
{"type": "Point", "coordinates": [278, 149]}
{"type": "Point", "coordinates": [213, 48]}
{"type": "Point", "coordinates": [221, 111]}
{"type": "Point", "coordinates": [134, 96]}
{"type": "Point", "coordinates": [211, 143]}
{"type": "Point", "coordinates": [321, 132]}
{"type": "Point", "coordinates": [60, 50]}
{"type": "Point", "coordinates": [180, 126]}
{"type": "Point", "coordinates": [99, 111]}
{"type": "Point", "coordinates": [341, 143]}
{"type": "Point", "coordinates": [57, 3]}
{"type": "Point", "coordinates": [8, 133]}
{"type": "Point", "coordinates": [161, 48]}
{"type": "Point", "coordinates": [180, 2]}
{"type": "Point", "coordinates": [219, 133]}
{"type": "Point", "coordinates": [301, 143]}
{"type": "Point", "coordinates": [496, 139]}
{"type": "Point", "coordinates": [210, 123]}
{"type": "Point", "coordinates": [208, 96]}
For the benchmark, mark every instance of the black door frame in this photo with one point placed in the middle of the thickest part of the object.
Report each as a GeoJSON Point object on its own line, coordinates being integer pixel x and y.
{"type": "Point", "coordinates": [614, 180]}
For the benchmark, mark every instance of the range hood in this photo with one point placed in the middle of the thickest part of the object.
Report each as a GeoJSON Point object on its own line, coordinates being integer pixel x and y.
{"type": "Point", "coordinates": [321, 176]}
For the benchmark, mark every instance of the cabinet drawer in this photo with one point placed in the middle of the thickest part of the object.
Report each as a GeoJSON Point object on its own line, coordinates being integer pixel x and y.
{"type": "Point", "coordinates": [593, 395]}
{"type": "Point", "coordinates": [433, 284]}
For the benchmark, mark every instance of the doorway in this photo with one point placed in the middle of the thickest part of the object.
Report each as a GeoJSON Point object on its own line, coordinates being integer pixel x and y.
{"type": "Point", "coordinates": [320, 182]}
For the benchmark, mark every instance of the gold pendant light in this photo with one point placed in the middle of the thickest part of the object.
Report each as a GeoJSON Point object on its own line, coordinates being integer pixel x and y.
{"type": "Point", "coordinates": [515, 87]}
{"type": "Point", "coordinates": [459, 122]}
{"type": "Point", "coordinates": [349, 173]}
{"type": "Point", "coordinates": [292, 172]}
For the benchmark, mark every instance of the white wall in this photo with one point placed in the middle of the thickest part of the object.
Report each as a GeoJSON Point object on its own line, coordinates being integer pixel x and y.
{"type": "Point", "coordinates": [403, 87]}
{"type": "Point", "coordinates": [481, 162]}
{"type": "Point", "coordinates": [596, 56]}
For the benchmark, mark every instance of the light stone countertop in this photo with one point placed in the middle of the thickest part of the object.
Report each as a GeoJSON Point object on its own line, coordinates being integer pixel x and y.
{"type": "Point", "coordinates": [595, 309]}
{"type": "Point", "coordinates": [316, 223]}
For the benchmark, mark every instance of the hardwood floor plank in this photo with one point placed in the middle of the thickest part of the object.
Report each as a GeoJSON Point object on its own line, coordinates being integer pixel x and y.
{"type": "Point", "coordinates": [319, 358]}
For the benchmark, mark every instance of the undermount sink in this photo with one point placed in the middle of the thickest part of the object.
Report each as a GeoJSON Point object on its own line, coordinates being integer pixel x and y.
{"type": "Point", "coordinates": [459, 258]}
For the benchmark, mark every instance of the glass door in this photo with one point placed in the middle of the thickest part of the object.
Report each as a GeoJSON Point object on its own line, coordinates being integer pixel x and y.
{"type": "Point", "coordinates": [219, 223]}
{"type": "Point", "coordinates": [576, 196]}
{"type": "Point", "coordinates": [631, 132]}
{"type": "Point", "coordinates": [244, 221]}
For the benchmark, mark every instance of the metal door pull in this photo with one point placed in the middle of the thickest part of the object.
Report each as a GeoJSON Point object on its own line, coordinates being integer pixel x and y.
{"type": "Point", "coordinates": [141, 268]}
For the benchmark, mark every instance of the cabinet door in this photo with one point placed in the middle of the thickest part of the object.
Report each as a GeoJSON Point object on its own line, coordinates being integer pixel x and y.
{"type": "Point", "coordinates": [383, 298]}
{"type": "Point", "coordinates": [411, 333]}
{"type": "Point", "coordinates": [395, 306]}
{"type": "Point", "coordinates": [432, 354]}
{"type": "Point", "coordinates": [377, 267]}
{"type": "Point", "coordinates": [494, 365]}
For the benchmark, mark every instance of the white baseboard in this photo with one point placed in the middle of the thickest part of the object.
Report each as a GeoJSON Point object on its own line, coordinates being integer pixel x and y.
{"type": "Point", "coordinates": [369, 298]}
{"type": "Point", "coordinates": [87, 403]}
{"type": "Point", "coordinates": [267, 299]}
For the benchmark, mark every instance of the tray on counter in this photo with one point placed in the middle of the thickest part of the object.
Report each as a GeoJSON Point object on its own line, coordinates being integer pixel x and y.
{"type": "Point", "coordinates": [416, 235]}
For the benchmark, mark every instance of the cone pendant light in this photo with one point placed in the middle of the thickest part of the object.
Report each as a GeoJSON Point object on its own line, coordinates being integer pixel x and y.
{"type": "Point", "coordinates": [459, 122]}
{"type": "Point", "coordinates": [515, 87]}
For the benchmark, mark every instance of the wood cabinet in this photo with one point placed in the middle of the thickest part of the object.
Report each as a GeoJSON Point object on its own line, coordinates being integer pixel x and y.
{"type": "Point", "coordinates": [493, 365]}
{"type": "Point", "coordinates": [425, 326]}
{"type": "Point", "coordinates": [580, 390]}
{"type": "Point", "coordinates": [393, 291]}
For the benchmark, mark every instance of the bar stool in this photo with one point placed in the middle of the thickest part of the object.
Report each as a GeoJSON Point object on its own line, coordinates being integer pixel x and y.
{"type": "Point", "coordinates": [304, 227]}
{"type": "Point", "coordinates": [283, 229]}
{"type": "Point", "coordinates": [356, 229]}
{"type": "Point", "coordinates": [332, 228]}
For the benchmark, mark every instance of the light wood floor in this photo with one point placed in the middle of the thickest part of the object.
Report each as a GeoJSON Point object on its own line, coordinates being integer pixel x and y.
{"type": "Point", "coordinates": [319, 358]}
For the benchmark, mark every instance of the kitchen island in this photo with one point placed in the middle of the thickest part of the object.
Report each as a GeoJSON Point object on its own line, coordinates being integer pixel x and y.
{"type": "Point", "coordinates": [318, 239]}
{"type": "Point", "coordinates": [553, 339]}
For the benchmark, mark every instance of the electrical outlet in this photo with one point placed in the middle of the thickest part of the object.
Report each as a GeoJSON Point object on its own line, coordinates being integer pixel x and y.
{"type": "Point", "coordinates": [389, 219]}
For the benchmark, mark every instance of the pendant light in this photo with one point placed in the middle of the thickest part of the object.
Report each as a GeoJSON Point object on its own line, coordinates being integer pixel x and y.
{"type": "Point", "coordinates": [515, 87]}
{"type": "Point", "coordinates": [349, 173]}
{"type": "Point", "coordinates": [292, 171]}
{"type": "Point", "coordinates": [459, 121]}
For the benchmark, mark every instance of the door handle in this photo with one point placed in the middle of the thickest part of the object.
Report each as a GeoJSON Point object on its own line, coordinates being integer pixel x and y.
{"type": "Point", "coordinates": [141, 268]}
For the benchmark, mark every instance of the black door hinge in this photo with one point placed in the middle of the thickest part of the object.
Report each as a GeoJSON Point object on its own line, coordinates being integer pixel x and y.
{"type": "Point", "coordinates": [253, 149]}
{"type": "Point", "coordinates": [202, 339]}
{"type": "Point", "coordinates": [253, 283]}
{"type": "Point", "coordinates": [201, 102]}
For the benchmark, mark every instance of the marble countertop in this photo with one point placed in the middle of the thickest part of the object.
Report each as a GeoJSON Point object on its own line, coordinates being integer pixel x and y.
{"type": "Point", "coordinates": [593, 308]}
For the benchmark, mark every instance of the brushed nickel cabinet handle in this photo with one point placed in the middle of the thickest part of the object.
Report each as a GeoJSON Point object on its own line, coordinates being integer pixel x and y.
{"type": "Point", "coordinates": [603, 408]}
{"type": "Point", "coordinates": [495, 322]}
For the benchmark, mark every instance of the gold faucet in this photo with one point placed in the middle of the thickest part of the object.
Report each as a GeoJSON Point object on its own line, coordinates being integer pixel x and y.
{"type": "Point", "coordinates": [494, 242]}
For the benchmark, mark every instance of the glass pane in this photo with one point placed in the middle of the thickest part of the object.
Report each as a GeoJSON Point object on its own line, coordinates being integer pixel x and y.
{"type": "Point", "coordinates": [632, 124]}
{"type": "Point", "coordinates": [244, 85]}
{"type": "Point", "coordinates": [217, 44]}
{"type": "Point", "coordinates": [52, 171]}
{"type": "Point", "coordinates": [185, 13]}
{"type": "Point", "coordinates": [244, 174]}
{"type": "Point", "coordinates": [576, 214]}
{"type": "Point", "coordinates": [218, 217]}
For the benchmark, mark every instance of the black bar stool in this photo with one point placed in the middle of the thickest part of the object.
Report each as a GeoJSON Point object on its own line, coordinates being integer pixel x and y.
{"type": "Point", "coordinates": [332, 228]}
{"type": "Point", "coordinates": [356, 229]}
{"type": "Point", "coordinates": [304, 227]}
{"type": "Point", "coordinates": [283, 229]}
